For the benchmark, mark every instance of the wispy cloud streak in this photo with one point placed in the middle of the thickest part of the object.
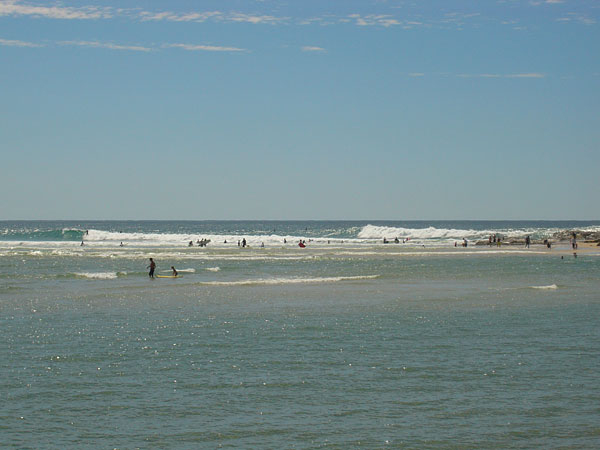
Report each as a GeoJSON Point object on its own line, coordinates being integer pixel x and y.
{"type": "Point", "coordinates": [204, 48]}
{"type": "Point", "coordinates": [497, 75]}
{"type": "Point", "coordinates": [17, 8]}
{"type": "Point", "coordinates": [218, 16]}
{"type": "Point", "coordinates": [106, 45]}
{"type": "Point", "coordinates": [174, 17]}
{"type": "Point", "coordinates": [411, 16]}
{"type": "Point", "coordinates": [311, 48]}
{"type": "Point", "coordinates": [13, 43]}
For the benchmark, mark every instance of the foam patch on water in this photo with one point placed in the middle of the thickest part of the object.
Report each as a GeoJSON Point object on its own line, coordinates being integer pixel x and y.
{"type": "Point", "coordinates": [97, 275]}
{"type": "Point", "coordinates": [190, 270]}
{"type": "Point", "coordinates": [213, 269]}
{"type": "Point", "coordinates": [278, 281]}
{"type": "Point", "coordinates": [550, 286]}
{"type": "Point", "coordinates": [448, 234]}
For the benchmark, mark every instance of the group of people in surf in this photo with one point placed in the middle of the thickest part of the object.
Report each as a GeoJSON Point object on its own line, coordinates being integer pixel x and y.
{"type": "Point", "coordinates": [396, 240]}
{"type": "Point", "coordinates": [495, 240]}
{"type": "Point", "coordinates": [152, 267]}
{"type": "Point", "coordinates": [201, 242]}
{"type": "Point", "coordinates": [464, 243]}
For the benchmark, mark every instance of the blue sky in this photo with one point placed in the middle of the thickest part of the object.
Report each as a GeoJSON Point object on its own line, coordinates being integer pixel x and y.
{"type": "Point", "coordinates": [371, 109]}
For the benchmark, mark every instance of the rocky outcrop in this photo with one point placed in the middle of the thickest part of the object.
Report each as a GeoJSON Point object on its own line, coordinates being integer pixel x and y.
{"type": "Point", "coordinates": [512, 241]}
{"type": "Point", "coordinates": [586, 236]}
{"type": "Point", "coordinates": [591, 237]}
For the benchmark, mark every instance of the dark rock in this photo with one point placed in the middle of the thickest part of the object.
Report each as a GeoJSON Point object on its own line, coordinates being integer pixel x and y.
{"type": "Point", "coordinates": [566, 235]}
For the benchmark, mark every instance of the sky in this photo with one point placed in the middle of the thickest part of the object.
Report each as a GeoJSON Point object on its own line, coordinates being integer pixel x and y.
{"type": "Point", "coordinates": [300, 109]}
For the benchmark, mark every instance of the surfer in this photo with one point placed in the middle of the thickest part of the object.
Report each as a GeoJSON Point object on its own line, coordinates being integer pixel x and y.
{"type": "Point", "coordinates": [174, 271]}
{"type": "Point", "coordinates": [121, 244]}
{"type": "Point", "coordinates": [244, 242]}
{"type": "Point", "coordinates": [152, 266]}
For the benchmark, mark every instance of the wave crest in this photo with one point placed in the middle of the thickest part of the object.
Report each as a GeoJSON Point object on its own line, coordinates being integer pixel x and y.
{"type": "Point", "coordinates": [97, 275]}
{"type": "Point", "coordinates": [550, 286]}
{"type": "Point", "coordinates": [277, 281]}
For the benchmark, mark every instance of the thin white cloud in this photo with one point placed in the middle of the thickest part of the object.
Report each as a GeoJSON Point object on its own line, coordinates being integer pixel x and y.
{"type": "Point", "coordinates": [204, 48]}
{"type": "Point", "coordinates": [574, 17]}
{"type": "Point", "coordinates": [255, 19]}
{"type": "Point", "coordinates": [13, 43]}
{"type": "Point", "coordinates": [311, 48]}
{"type": "Point", "coordinates": [18, 8]}
{"type": "Point", "coordinates": [218, 16]}
{"type": "Point", "coordinates": [174, 17]}
{"type": "Point", "coordinates": [416, 74]}
{"type": "Point", "coordinates": [479, 75]}
{"type": "Point", "coordinates": [497, 75]}
{"type": "Point", "coordinates": [526, 75]}
{"type": "Point", "coordinates": [387, 16]}
{"type": "Point", "coordinates": [384, 20]}
{"type": "Point", "coordinates": [106, 45]}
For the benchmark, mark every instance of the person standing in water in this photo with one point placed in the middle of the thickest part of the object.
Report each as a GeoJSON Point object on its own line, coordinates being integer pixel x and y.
{"type": "Point", "coordinates": [152, 266]}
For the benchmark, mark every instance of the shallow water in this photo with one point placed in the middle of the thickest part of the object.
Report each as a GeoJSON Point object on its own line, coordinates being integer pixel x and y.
{"type": "Point", "coordinates": [358, 347]}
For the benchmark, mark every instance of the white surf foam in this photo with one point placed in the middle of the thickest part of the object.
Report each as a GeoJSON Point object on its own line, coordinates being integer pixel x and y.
{"type": "Point", "coordinates": [190, 270]}
{"type": "Point", "coordinates": [550, 286]}
{"type": "Point", "coordinates": [114, 239]}
{"type": "Point", "coordinates": [97, 275]}
{"type": "Point", "coordinates": [213, 269]}
{"type": "Point", "coordinates": [380, 232]}
{"type": "Point", "coordinates": [277, 281]}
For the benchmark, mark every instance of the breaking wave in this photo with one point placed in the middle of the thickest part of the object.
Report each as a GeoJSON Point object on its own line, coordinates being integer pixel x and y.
{"type": "Point", "coordinates": [550, 286]}
{"type": "Point", "coordinates": [97, 275]}
{"type": "Point", "coordinates": [278, 281]}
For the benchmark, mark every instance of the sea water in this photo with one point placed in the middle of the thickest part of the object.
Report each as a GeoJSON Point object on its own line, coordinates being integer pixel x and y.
{"type": "Point", "coordinates": [347, 343]}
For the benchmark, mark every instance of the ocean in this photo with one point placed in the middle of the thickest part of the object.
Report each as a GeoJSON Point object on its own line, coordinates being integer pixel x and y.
{"type": "Point", "coordinates": [346, 343]}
